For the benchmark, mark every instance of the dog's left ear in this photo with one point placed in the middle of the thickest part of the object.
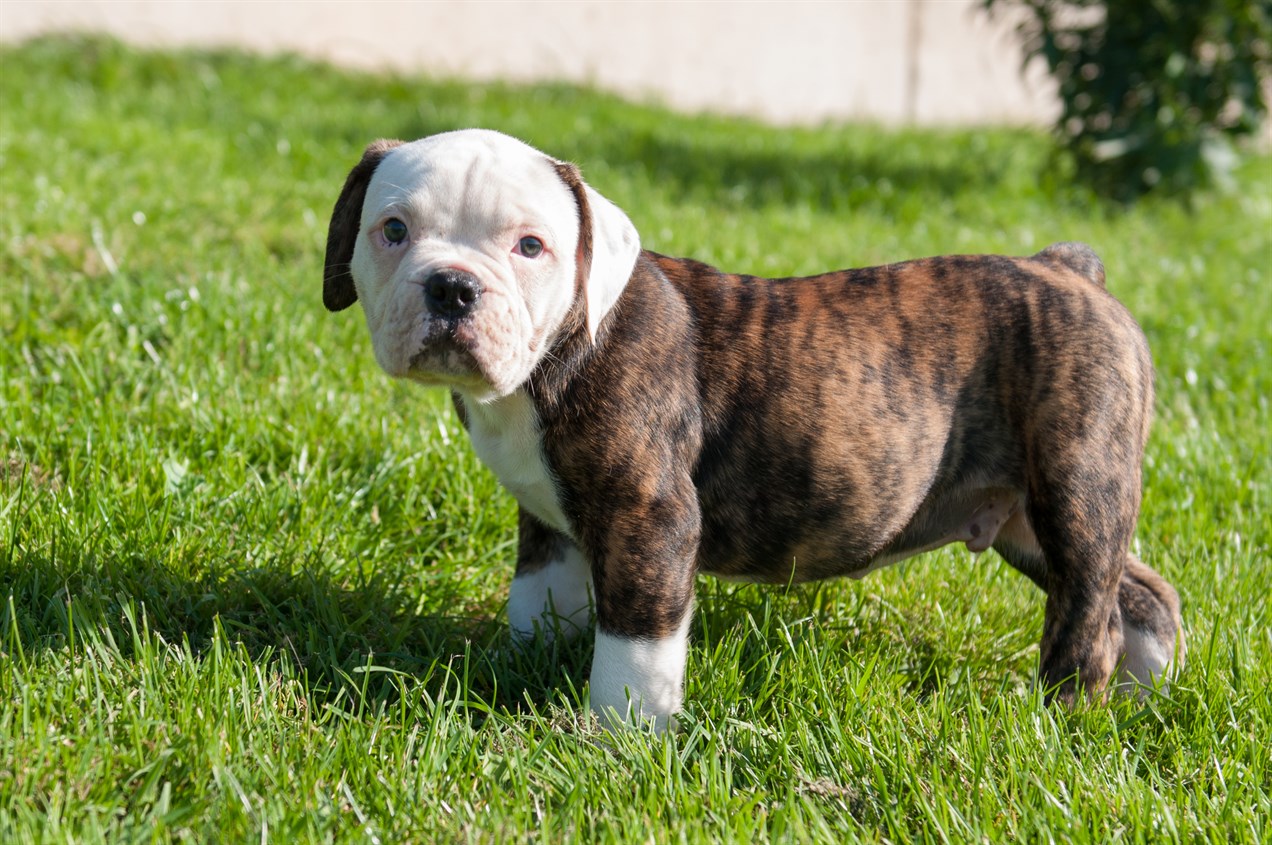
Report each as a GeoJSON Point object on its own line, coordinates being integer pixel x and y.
{"type": "Point", "coordinates": [338, 291]}
{"type": "Point", "coordinates": [608, 247]}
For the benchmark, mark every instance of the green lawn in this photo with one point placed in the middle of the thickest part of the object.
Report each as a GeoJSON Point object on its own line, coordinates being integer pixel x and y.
{"type": "Point", "coordinates": [252, 590]}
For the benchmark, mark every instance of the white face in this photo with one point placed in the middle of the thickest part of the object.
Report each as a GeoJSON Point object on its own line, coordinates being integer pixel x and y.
{"type": "Point", "coordinates": [479, 203]}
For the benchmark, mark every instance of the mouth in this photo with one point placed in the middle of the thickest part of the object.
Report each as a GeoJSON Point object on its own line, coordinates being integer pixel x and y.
{"type": "Point", "coordinates": [476, 353]}
{"type": "Point", "coordinates": [446, 360]}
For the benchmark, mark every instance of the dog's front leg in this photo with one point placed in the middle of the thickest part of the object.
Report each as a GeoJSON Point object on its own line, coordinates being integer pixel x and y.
{"type": "Point", "coordinates": [552, 590]}
{"type": "Point", "coordinates": [639, 680]}
{"type": "Point", "coordinates": [643, 574]}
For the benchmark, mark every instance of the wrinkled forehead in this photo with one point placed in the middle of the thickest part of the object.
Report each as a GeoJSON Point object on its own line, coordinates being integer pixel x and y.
{"type": "Point", "coordinates": [473, 180]}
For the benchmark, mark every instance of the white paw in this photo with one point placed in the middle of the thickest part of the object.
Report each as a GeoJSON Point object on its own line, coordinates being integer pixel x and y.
{"type": "Point", "coordinates": [639, 681]}
{"type": "Point", "coordinates": [557, 597]}
{"type": "Point", "coordinates": [1148, 662]}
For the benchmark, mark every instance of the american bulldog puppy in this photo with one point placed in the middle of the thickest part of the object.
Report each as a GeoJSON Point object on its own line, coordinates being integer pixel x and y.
{"type": "Point", "coordinates": [656, 418]}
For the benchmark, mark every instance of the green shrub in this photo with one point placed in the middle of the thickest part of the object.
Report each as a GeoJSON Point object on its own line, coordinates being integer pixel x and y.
{"type": "Point", "coordinates": [1154, 92]}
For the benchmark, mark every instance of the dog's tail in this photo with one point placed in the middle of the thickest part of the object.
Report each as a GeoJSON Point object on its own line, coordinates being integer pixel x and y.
{"type": "Point", "coordinates": [1077, 257]}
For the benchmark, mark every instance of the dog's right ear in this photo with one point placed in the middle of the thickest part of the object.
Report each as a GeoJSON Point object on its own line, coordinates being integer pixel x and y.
{"type": "Point", "coordinates": [338, 291]}
{"type": "Point", "coordinates": [608, 247]}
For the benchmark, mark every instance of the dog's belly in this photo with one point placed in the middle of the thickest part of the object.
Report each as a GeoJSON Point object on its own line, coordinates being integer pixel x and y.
{"type": "Point", "coordinates": [977, 518]}
{"type": "Point", "coordinates": [839, 547]}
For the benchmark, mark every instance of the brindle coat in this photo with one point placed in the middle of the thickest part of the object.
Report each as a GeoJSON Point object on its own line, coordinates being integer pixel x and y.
{"type": "Point", "coordinates": [796, 429]}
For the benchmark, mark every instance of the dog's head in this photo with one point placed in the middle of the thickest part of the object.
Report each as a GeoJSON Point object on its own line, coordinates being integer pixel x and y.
{"type": "Point", "coordinates": [470, 252]}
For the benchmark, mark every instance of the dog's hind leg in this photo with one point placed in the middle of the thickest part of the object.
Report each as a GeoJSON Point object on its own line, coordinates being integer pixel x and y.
{"type": "Point", "coordinates": [1082, 627]}
{"type": "Point", "coordinates": [1152, 633]}
{"type": "Point", "coordinates": [1106, 611]}
{"type": "Point", "coordinates": [1147, 606]}
{"type": "Point", "coordinates": [1084, 434]}
{"type": "Point", "coordinates": [1085, 561]}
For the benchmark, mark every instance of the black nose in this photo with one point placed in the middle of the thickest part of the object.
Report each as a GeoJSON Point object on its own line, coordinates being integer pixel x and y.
{"type": "Point", "coordinates": [451, 293]}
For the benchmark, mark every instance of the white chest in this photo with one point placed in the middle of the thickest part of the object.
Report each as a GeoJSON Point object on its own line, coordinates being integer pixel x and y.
{"type": "Point", "coordinates": [505, 436]}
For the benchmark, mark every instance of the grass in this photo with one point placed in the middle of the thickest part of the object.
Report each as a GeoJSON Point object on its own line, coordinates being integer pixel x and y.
{"type": "Point", "coordinates": [250, 589]}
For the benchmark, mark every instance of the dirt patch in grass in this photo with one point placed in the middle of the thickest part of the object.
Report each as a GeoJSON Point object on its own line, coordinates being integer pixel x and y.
{"type": "Point", "coordinates": [15, 469]}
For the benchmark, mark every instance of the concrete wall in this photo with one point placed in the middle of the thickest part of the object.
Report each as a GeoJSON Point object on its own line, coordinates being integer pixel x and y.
{"type": "Point", "coordinates": [789, 61]}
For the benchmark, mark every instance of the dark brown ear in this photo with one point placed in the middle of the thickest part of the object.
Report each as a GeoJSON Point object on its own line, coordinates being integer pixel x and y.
{"type": "Point", "coordinates": [338, 292]}
{"type": "Point", "coordinates": [573, 180]}
{"type": "Point", "coordinates": [608, 248]}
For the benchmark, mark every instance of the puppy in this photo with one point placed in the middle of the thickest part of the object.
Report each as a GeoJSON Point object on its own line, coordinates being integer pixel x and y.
{"type": "Point", "coordinates": [656, 418]}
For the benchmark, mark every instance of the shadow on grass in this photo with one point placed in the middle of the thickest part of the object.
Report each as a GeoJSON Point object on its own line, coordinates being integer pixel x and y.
{"type": "Point", "coordinates": [720, 161]}
{"type": "Point", "coordinates": [328, 631]}
{"type": "Point", "coordinates": [724, 170]}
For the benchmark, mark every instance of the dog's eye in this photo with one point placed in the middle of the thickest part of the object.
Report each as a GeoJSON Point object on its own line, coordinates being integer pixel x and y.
{"type": "Point", "coordinates": [394, 231]}
{"type": "Point", "coordinates": [530, 246]}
